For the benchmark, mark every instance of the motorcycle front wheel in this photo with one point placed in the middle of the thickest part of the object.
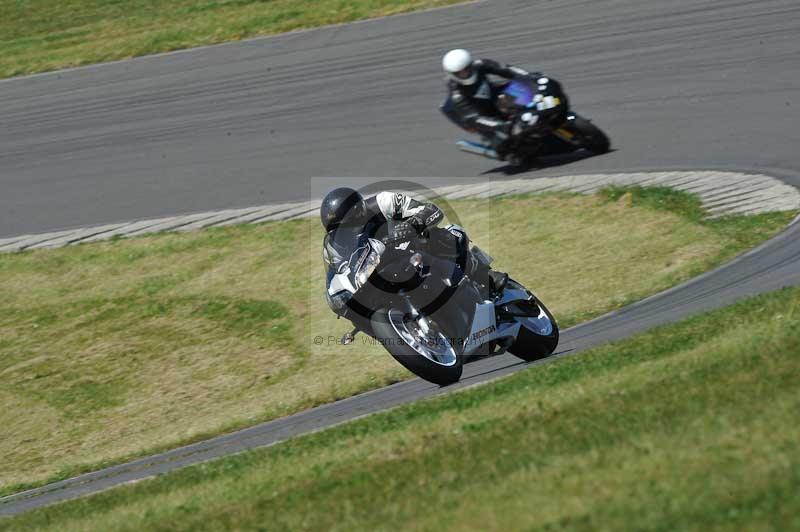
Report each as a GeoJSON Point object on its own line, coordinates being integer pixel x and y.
{"type": "Point", "coordinates": [419, 345]}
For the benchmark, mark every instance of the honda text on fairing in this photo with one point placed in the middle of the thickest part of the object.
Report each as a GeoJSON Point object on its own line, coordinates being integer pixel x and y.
{"type": "Point", "coordinates": [519, 115]}
{"type": "Point", "coordinates": [424, 309]}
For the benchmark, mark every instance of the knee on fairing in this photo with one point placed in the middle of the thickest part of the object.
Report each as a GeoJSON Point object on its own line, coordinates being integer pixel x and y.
{"type": "Point", "coordinates": [448, 109]}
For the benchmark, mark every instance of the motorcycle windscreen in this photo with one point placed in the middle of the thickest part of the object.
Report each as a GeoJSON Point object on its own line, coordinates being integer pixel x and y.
{"type": "Point", "coordinates": [345, 246]}
{"type": "Point", "coordinates": [521, 92]}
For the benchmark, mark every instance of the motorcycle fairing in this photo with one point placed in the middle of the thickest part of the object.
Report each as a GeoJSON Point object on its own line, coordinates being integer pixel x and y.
{"type": "Point", "coordinates": [485, 328]}
{"type": "Point", "coordinates": [344, 278]}
{"type": "Point", "coordinates": [513, 294]}
{"type": "Point", "coordinates": [341, 283]}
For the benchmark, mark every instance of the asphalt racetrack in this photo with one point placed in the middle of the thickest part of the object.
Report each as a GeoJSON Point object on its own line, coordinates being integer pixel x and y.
{"type": "Point", "coordinates": [677, 84]}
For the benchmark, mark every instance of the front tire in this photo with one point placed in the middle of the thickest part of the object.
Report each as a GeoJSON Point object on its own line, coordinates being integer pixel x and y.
{"type": "Point", "coordinates": [429, 355]}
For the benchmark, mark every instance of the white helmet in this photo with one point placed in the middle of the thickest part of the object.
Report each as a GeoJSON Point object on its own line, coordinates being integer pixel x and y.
{"type": "Point", "coordinates": [458, 64]}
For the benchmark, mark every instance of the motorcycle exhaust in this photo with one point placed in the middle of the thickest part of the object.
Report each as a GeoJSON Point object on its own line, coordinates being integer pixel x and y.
{"type": "Point", "coordinates": [477, 149]}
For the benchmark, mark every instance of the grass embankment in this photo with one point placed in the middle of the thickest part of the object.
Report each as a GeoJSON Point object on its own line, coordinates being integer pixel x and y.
{"type": "Point", "coordinates": [688, 427]}
{"type": "Point", "coordinates": [41, 35]}
{"type": "Point", "coordinates": [116, 349]}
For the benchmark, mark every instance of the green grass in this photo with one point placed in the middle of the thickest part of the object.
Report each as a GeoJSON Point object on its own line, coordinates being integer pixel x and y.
{"type": "Point", "coordinates": [691, 426]}
{"type": "Point", "coordinates": [42, 35]}
{"type": "Point", "coordinates": [113, 350]}
{"type": "Point", "coordinates": [741, 231]}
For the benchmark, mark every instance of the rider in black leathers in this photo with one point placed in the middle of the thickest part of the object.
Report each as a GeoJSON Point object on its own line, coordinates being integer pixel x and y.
{"type": "Point", "coordinates": [472, 97]}
{"type": "Point", "coordinates": [344, 209]}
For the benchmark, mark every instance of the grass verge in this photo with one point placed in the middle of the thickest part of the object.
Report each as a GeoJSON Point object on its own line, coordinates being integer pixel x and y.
{"type": "Point", "coordinates": [113, 350]}
{"type": "Point", "coordinates": [690, 426]}
{"type": "Point", "coordinates": [42, 35]}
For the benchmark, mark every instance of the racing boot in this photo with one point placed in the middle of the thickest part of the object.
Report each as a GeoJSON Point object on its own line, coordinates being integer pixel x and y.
{"type": "Point", "coordinates": [492, 279]}
{"type": "Point", "coordinates": [497, 281]}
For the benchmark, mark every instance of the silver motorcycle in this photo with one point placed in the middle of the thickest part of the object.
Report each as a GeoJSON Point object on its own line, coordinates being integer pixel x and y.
{"type": "Point", "coordinates": [429, 315]}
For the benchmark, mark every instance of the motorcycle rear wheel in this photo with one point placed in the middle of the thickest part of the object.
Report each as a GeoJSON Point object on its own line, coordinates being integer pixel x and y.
{"type": "Point", "coordinates": [588, 135]}
{"type": "Point", "coordinates": [429, 355]}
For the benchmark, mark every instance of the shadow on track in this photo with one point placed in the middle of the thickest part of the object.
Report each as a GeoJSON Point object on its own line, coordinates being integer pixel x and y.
{"type": "Point", "coordinates": [541, 163]}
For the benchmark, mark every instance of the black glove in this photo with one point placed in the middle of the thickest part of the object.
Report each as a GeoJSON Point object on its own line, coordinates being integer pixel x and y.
{"type": "Point", "coordinates": [402, 232]}
{"type": "Point", "coordinates": [417, 223]}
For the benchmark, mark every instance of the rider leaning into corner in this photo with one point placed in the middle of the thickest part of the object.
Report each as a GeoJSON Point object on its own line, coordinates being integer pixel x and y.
{"type": "Point", "coordinates": [345, 209]}
{"type": "Point", "coordinates": [472, 97]}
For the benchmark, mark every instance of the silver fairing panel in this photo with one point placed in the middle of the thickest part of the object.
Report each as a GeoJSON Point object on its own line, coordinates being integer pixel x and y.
{"type": "Point", "coordinates": [485, 329]}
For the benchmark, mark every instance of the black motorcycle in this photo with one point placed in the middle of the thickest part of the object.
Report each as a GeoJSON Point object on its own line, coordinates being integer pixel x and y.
{"type": "Point", "coordinates": [428, 314]}
{"type": "Point", "coordinates": [543, 122]}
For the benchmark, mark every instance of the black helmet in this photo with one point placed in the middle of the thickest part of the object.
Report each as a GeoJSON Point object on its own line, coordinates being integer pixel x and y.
{"type": "Point", "coordinates": [342, 206]}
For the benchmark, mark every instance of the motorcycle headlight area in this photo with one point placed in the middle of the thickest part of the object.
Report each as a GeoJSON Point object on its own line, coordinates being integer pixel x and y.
{"type": "Point", "coordinates": [366, 267]}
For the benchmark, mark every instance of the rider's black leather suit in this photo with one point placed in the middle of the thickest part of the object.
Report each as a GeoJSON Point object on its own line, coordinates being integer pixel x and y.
{"type": "Point", "coordinates": [472, 107]}
{"type": "Point", "coordinates": [449, 244]}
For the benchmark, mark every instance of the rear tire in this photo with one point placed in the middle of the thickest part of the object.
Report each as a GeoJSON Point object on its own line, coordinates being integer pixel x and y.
{"type": "Point", "coordinates": [437, 373]}
{"type": "Point", "coordinates": [529, 345]}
